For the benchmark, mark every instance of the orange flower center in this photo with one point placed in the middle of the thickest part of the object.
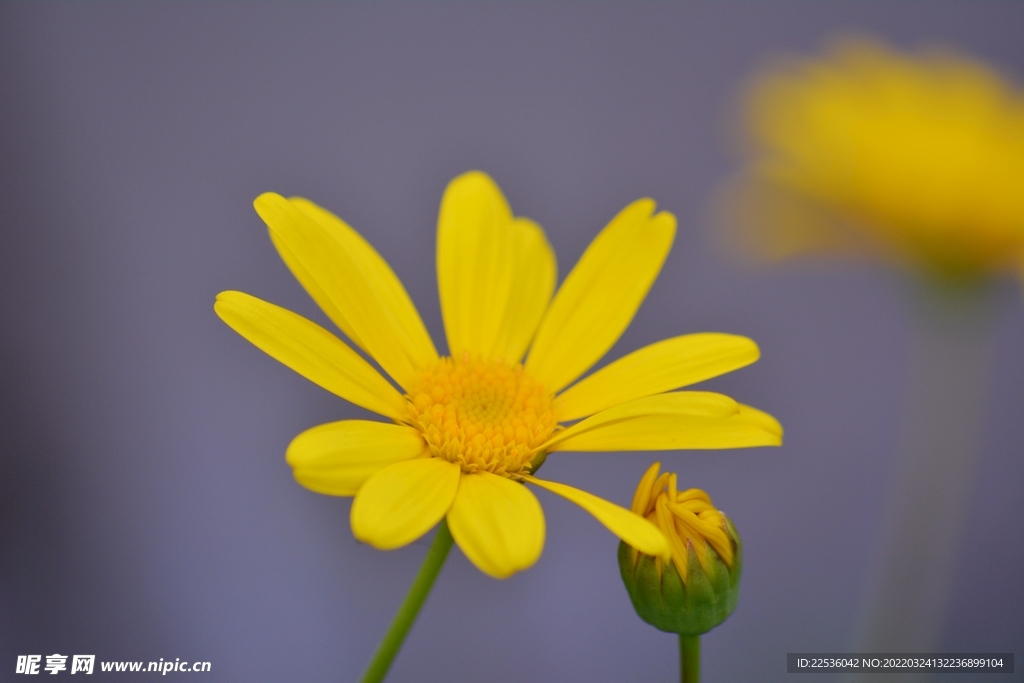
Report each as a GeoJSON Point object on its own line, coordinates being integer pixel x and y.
{"type": "Point", "coordinates": [482, 415]}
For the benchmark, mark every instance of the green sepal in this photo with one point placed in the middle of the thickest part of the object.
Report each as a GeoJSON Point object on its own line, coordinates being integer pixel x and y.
{"type": "Point", "coordinates": [689, 609]}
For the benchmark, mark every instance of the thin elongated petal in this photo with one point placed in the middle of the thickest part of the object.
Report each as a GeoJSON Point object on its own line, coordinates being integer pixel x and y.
{"type": "Point", "coordinates": [474, 268]}
{"type": "Point", "coordinates": [338, 457]}
{"type": "Point", "coordinates": [692, 403]}
{"type": "Point", "coordinates": [633, 529]}
{"type": "Point", "coordinates": [660, 367]}
{"type": "Point", "coordinates": [315, 292]}
{"type": "Point", "coordinates": [498, 524]}
{"type": "Point", "coordinates": [311, 351]}
{"type": "Point", "coordinates": [685, 419]}
{"type": "Point", "coordinates": [601, 295]}
{"type": "Point", "coordinates": [534, 277]}
{"type": "Point", "coordinates": [363, 291]}
{"type": "Point", "coordinates": [382, 279]}
{"type": "Point", "coordinates": [403, 501]}
{"type": "Point", "coordinates": [644, 490]}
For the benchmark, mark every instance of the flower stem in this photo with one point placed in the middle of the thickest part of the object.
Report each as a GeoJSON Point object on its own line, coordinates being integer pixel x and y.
{"type": "Point", "coordinates": [424, 580]}
{"type": "Point", "coordinates": [930, 492]}
{"type": "Point", "coordinates": [689, 659]}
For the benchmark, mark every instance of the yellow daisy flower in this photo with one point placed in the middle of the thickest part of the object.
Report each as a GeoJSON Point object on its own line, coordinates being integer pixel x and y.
{"type": "Point", "coordinates": [467, 430]}
{"type": "Point", "coordinates": [918, 159]}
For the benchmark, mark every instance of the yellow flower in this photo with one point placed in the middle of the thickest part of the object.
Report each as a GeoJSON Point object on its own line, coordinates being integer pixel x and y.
{"type": "Point", "coordinates": [468, 429]}
{"type": "Point", "coordinates": [916, 159]}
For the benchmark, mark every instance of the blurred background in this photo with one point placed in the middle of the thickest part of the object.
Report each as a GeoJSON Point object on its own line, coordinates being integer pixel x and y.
{"type": "Point", "coordinates": [146, 510]}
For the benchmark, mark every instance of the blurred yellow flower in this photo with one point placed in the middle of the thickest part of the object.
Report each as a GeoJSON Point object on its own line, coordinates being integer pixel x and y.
{"type": "Point", "coordinates": [467, 430]}
{"type": "Point", "coordinates": [916, 159]}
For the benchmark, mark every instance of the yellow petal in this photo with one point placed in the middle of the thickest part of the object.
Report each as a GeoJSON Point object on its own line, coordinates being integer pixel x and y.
{"type": "Point", "coordinates": [313, 289]}
{"type": "Point", "coordinates": [695, 403]}
{"type": "Point", "coordinates": [685, 419]}
{"type": "Point", "coordinates": [338, 457]}
{"type": "Point", "coordinates": [534, 275]}
{"type": "Point", "coordinates": [633, 529]}
{"type": "Point", "coordinates": [381, 277]}
{"type": "Point", "coordinates": [680, 553]}
{"type": "Point", "coordinates": [660, 367]}
{"type": "Point", "coordinates": [642, 497]}
{"type": "Point", "coordinates": [498, 524]}
{"type": "Point", "coordinates": [599, 297]}
{"type": "Point", "coordinates": [311, 351]}
{"type": "Point", "coordinates": [364, 292]}
{"type": "Point", "coordinates": [474, 271]}
{"type": "Point", "coordinates": [403, 501]}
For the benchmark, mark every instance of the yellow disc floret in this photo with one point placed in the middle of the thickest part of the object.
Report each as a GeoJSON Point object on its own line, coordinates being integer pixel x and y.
{"type": "Point", "coordinates": [482, 415]}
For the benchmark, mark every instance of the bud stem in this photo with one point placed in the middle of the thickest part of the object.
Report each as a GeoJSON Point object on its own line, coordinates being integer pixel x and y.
{"type": "Point", "coordinates": [689, 659]}
{"type": "Point", "coordinates": [414, 600]}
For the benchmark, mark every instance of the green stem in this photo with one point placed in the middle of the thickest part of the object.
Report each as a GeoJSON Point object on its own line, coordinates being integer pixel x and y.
{"type": "Point", "coordinates": [395, 636]}
{"type": "Point", "coordinates": [689, 659]}
{"type": "Point", "coordinates": [930, 490]}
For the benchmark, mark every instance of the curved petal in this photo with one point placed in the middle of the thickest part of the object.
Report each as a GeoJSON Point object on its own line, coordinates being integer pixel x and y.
{"type": "Point", "coordinates": [403, 501]}
{"type": "Point", "coordinates": [474, 271]}
{"type": "Point", "coordinates": [601, 295]}
{"type": "Point", "coordinates": [338, 457]}
{"type": "Point", "coordinates": [633, 529]}
{"type": "Point", "coordinates": [645, 489]}
{"type": "Point", "coordinates": [365, 295]}
{"type": "Point", "coordinates": [534, 275]}
{"type": "Point", "coordinates": [498, 523]}
{"type": "Point", "coordinates": [660, 367]}
{"type": "Point", "coordinates": [311, 351]}
{"type": "Point", "coordinates": [685, 419]}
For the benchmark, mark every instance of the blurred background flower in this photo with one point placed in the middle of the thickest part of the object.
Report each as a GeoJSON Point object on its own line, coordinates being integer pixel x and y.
{"type": "Point", "coordinates": [916, 159]}
{"type": "Point", "coordinates": [145, 509]}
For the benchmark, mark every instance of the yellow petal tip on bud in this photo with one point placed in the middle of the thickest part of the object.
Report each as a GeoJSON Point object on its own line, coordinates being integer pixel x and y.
{"type": "Point", "coordinates": [696, 587]}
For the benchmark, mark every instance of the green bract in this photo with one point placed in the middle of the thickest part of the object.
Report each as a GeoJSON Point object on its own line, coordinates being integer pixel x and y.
{"type": "Point", "coordinates": [691, 608]}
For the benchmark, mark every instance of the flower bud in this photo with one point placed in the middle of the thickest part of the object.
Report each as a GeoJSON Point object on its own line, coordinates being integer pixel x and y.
{"type": "Point", "coordinates": [698, 589]}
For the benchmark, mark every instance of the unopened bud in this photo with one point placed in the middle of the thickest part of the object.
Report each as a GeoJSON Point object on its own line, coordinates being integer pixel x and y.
{"type": "Point", "coordinates": [698, 589]}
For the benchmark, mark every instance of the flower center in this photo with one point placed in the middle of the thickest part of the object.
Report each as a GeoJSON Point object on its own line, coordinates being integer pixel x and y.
{"type": "Point", "coordinates": [482, 415]}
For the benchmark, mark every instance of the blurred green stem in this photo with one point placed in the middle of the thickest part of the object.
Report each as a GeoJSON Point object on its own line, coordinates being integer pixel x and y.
{"type": "Point", "coordinates": [689, 659]}
{"type": "Point", "coordinates": [933, 474]}
{"type": "Point", "coordinates": [403, 621]}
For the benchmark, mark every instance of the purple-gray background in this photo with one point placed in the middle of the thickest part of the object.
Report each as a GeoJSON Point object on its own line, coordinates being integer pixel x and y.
{"type": "Point", "coordinates": [146, 510]}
